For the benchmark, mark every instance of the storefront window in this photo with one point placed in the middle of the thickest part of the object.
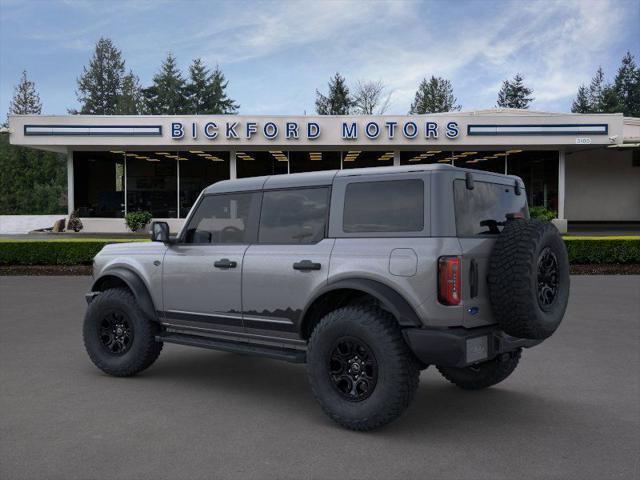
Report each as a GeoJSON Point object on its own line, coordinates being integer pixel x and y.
{"type": "Point", "coordinates": [99, 184]}
{"type": "Point", "coordinates": [313, 161]}
{"type": "Point", "coordinates": [364, 158]}
{"type": "Point", "coordinates": [197, 170]}
{"type": "Point", "coordinates": [425, 157]}
{"type": "Point", "coordinates": [539, 171]}
{"type": "Point", "coordinates": [256, 164]}
{"type": "Point", "coordinates": [152, 183]}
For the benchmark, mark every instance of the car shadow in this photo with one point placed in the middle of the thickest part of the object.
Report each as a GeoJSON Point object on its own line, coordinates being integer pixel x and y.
{"type": "Point", "coordinates": [438, 407]}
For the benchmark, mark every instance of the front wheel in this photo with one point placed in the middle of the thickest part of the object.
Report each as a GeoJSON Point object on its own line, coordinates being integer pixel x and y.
{"type": "Point", "coordinates": [118, 337]}
{"type": "Point", "coordinates": [485, 374]}
{"type": "Point", "coordinates": [360, 368]}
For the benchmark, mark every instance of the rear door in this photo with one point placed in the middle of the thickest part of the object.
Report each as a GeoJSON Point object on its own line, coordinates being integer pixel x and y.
{"type": "Point", "coordinates": [479, 214]}
{"type": "Point", "coordinates": [289, 261]}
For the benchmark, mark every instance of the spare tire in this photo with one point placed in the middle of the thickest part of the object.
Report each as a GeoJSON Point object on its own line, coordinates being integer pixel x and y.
{"type": "Point", "coordinates": [529, 279]}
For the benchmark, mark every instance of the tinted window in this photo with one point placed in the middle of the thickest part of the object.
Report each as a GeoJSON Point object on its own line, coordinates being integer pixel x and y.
{"type": "Point", "coordinates": [294, 216]}
{"type": "Point", "coordinates": [479, 211]}
{"type": "Point", "coordinates": [391, 206]}
{"type": "Point", "coordinates": [223, 219]}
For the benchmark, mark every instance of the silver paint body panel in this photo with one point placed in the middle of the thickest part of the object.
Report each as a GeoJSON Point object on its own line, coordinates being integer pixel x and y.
{"type": "Point", "coordinates": [263, 298]}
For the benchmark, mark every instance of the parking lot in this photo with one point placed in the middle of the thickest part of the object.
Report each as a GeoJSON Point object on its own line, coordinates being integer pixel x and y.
{"type": "Point", "coordinates": [571, 409]}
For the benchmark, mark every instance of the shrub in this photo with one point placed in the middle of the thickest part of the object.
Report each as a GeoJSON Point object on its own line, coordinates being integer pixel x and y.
{"type": "Point", "coordinates": [52, 252]}
{"type": "Point", "coordinates": [603, 249]}
{"type": "Point", "coordinates": [542, 213]}
{"type": "Point", "coordinates": [75, 223]}
{"type": "Point", "coordinates": [137, 220]}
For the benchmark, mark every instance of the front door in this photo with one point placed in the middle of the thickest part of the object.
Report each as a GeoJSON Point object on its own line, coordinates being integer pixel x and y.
{"type": "Point", "coordinates": [202, 273]}
{"type": "Point", "coordinates": [288, 263]}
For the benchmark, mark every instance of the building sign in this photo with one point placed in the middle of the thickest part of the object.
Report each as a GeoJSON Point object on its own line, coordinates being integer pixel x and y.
{"type": "Point", "coordinates": [293, 130]}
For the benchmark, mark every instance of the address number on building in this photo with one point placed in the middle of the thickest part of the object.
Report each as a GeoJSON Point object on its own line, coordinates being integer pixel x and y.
{"type": "Point", "coordinates": [583, 141]}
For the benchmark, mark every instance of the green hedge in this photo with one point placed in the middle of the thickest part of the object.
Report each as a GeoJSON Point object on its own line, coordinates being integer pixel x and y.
{"type": "Point", "coordinates": [81, 251]}
{"type": "Point", "coordinates": [53, 252]}
{"type": "Point", "coordinates": [584, 250]}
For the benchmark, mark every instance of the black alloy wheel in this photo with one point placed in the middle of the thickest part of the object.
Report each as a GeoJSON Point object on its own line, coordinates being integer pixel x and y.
{"type": "Point", "coordinates": [116, 333]}
{"type": "Point", "coordinates": [547, 278]}
{"type": "Point", "coordinates": [353, 369]}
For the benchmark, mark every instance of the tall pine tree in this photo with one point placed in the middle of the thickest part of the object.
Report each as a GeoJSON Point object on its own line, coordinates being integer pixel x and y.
{"type": "Point", "coordinates": [338, 100]}
{"type": "Point", "coordinates": [31, 181]}
{"type": "Point", "coordinates": [433, 96]}
{"type": "Point", "coordinates": [25, 99]}
{"type": "Point", "coordinates": [627, 86]}
{"type": "Point", "coordinates": [582, 102]}
{"type": "Point", "coordinates": [514, 94]}
{"type": "Point", "coordinates": [100, 85]}
{"type": "Point", "coordinates": [130, 101]}
{"type": "Point", "coordinates": [167, 94]}
{"type": "Point", "coordinates": [206, 92]}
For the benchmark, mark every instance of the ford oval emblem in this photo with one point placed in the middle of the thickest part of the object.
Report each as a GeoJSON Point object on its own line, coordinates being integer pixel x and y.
{"type": "Point", "coordinates": [473, 310]}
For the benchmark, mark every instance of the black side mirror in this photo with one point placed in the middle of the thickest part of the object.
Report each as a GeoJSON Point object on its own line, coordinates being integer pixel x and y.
{"type": "Point", "coordinates": [160, 232]}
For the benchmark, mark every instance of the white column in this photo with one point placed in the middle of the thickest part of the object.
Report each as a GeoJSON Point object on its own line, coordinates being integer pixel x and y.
{"type": "Point", "coordinates": [71, 205]}
{"type": "Point", "coordinates": [177, 188]}
{"type": "Point", "coordinates": [561, 183]}
{"type": "Point", "coordinates": [125, 185]}
{"type": "Point", "coordinates": [396, 158]}
{"type": "Point", "coordinates": [232, 165]}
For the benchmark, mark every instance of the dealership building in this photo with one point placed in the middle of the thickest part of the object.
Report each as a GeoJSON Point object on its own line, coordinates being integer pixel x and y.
{"type": "Point", "coordinates": [585, 167]}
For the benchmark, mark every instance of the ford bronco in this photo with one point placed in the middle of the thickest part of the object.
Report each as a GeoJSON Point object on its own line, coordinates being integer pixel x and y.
{"type": "Point", "coordinates": [366, 275]}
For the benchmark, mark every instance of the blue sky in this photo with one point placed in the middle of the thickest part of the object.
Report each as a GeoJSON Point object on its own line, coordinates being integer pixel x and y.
{"type": "Point", "coordinates": [275, 54]}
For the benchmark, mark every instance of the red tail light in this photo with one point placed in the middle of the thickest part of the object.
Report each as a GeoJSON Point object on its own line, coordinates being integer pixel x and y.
{"type": "Point", "coordinates": [449, 280]}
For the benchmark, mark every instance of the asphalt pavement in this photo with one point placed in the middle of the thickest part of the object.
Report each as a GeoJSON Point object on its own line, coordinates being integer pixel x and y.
{"type": "Point", "coordinates": [570, 411]}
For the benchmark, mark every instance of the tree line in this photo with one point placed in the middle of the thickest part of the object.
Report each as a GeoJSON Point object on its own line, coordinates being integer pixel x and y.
{"type": "Point", "coordinates": [34, 182]}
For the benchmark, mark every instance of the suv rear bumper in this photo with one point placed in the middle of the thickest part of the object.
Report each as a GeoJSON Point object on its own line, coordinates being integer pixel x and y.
{"type": "Point", "coordinates": [461, 347]}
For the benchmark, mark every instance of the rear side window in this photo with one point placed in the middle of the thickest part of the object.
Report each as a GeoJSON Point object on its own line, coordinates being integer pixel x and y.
{"type": "Point", "coordinates": [227, 218]}
{"type": "Point", "coordinates": [482, 211]}
{"type": "Point", "coordinates": [296, 216]}
{"type": "Point", "coordinates": [385, 206]}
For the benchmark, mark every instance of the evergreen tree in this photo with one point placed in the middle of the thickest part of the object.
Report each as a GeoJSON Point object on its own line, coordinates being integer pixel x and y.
{"type": "Point", "coordinates": [167, 95]}
{"type": "Point", "coordinates": [581, 104]}
{"type": "Point", "coordinates": [627, 86]}
{"type": "Point", "coordinates": [596, 91]}
{"type": "Point", "coordinates": [25, 99]}
{"type": "Point", "coordinates": [100, 85]}
{"type": "Point", "coordinates": [218, 100]}
{"type": "Point", "coordinates": [433, 96]}
{"type": "Point", "coordinates": [206, 92]}
{"type": "Point", "coordinates": [130, 101]}
{"type": "Point", "coordinates": [514, 94]}
{"type": "Point", "coordinates": [338, 101]}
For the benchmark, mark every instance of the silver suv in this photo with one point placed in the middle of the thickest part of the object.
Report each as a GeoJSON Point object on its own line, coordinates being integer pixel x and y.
{"type": "Point", "coordinates": [366, 275]}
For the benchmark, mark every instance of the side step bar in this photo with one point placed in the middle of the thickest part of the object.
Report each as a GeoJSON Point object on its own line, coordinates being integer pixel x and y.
{"type": "Point", "coordinates": [286, 354]}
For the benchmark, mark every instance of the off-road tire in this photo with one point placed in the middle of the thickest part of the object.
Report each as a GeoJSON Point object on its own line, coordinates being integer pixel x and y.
{"type": "Point", "coordinates": [484, 374]}
{"type": "Point", "coordinates": [144, 349]}
{"type": "Point", "coordinates": [514, 279]}
{"type": "Point", "coordinates": [397, 370]}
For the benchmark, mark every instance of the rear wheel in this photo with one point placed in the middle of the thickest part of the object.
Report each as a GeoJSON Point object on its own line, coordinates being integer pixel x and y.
{"type": "Point", "coordinates": [360, 369]}
{"type": "Point", "coordinates": [483, 375]}
{"type": "Point", "coordinates": [118, 337]}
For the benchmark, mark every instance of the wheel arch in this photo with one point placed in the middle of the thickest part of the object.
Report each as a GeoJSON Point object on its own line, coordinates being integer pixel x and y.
{"type": "Point", "coordinates": [343, 291]}
{"type": "Point", "coordinates": [123, 277]}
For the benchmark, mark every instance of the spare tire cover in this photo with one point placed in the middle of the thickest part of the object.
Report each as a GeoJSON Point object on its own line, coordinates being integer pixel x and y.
{"type": "Point", "coordinates": [529, 279]}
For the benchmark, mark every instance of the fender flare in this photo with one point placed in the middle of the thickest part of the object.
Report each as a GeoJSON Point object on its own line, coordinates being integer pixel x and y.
{"type": "Point", "coordinates": [397, 305]}
{"type": "Point", "coordinates": [135, 284]}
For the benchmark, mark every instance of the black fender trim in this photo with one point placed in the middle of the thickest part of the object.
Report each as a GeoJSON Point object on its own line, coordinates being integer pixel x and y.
{"type": "Point", "coordinates": [135, 284]}
{"type": "Point", "coordinates": [392, 300]}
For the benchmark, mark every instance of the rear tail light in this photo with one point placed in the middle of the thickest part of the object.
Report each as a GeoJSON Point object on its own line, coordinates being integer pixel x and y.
{"type": "Point", "coordinates": [449, 280]}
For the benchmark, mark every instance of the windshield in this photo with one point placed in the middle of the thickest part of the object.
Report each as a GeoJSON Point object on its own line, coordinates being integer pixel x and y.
{"type": "Point", "coordinates": [483, 210]}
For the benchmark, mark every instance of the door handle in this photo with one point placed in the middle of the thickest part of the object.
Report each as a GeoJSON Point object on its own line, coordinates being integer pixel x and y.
{"type": "Point", "coordinates": [306, 265]}
{"type": "Point", "coordinates": [225, 263]}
